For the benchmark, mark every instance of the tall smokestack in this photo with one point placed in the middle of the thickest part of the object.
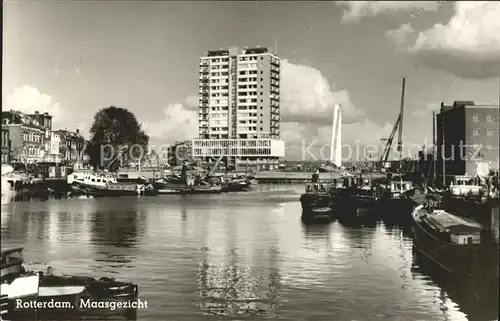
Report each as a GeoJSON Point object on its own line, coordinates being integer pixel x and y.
{"type": "Point", "coordinates": [336, 145]}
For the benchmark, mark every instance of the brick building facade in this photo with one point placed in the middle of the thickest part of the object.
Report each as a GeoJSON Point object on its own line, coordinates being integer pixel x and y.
{"type": "Point", "coordinates": [467, 139]}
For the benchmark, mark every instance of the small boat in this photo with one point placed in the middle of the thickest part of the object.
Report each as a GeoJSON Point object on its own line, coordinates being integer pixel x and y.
{"type": "Point", "coordinates": [186, 183]}
{"type": "Point", "coordinates": [456, 244]}
{"type": "Point", "coordinates": [394, 204]}
{"type": "Point", "coordinates": [235, 185]}
{"type": "Point", "coordinates": [102, 184]}
{"type": "Point", "coordinates": [26, 294]}
{"type": "Point", "coordinates": [358, 205]}
{"type": "Point", "coordinates": [317, 204]}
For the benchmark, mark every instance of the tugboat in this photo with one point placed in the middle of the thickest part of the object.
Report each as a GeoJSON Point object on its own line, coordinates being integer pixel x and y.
{"type": "Point", "coordinates": [359, 204]}
{"type": "Point", "coordinates": [456, 244]}
{"type": "Point", "coordinates": [316, 204]}
{"type": "Point", "coordinates": [395, 202]}
{"type": "Point", "coordinates": [53, 297]}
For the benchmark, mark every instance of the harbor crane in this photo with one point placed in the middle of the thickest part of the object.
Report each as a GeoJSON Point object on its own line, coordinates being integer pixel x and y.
{"type": "Point", "coordinates": [397, 125]}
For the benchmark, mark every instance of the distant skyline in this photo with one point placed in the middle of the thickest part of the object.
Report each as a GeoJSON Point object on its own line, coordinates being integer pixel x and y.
{"type": "Point", "coordinates": [72, 58]}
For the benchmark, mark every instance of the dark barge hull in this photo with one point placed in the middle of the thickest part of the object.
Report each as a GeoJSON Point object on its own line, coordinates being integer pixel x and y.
{"type": "Point", "coordinates": [235, 187]}
{"type": "Point", "coordinates": [316, 209]}
{"type": "Point", "coordinates": [320, 215]}
{"type": "Point", "coordinates": [189, 191]}
{"type": "Point", "coordinates": [105, 192]}
{"type": "Point", "coordinates": [76, 298]}
{"type": "Point", "coordinates": [357, 209]}
{"type": "Point", "coordinates": [464, 260]}
{"type": "Point", "coordinates": [397, 211]}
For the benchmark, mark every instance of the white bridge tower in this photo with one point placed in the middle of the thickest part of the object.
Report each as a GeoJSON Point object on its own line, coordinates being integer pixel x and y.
{"type": "Point", "coordinates": [336, 145]}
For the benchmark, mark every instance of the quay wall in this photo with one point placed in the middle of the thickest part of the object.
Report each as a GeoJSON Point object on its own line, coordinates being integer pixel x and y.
{"type": "Point", "coordinates": [292, 177]}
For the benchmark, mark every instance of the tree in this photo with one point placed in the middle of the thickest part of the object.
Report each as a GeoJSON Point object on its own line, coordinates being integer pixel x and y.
{"type": "Point", "coordinates": [115, 129]}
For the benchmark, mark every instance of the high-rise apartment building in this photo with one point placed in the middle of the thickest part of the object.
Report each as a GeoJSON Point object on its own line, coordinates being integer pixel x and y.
{"type": "Point", "coordinates": [239, 108]}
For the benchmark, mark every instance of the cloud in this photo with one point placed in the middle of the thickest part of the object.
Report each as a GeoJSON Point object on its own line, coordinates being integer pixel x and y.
{"type": "Point", "coordinates": [427, 110]}
{"type": "Point", "coordinates": [467, 46]}
{"type": "Point", "coordinates": [400, 36]}
{"type": "Point", "coordinates": [307, 97]}
{"type": "Point", "coordinates": [192, 102]}
{"type": "Point", "coordinates": [28, 99]}
{"type": "Point", "coordinates": [300, 137]}
{"type": "Point", "coordinates": [355, 10]}
{"type": "Point", "coordinates": [176, 123]}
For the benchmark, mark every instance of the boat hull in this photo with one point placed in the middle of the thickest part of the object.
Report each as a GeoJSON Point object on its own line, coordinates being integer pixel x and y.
{"type": "Point", "coordinates": [115, 190]}
{"type": "Point", "coordinates": [358, 208]}
{"type": "Point", "coordinates": [70, 307]}
{"type": "Point", "coordinates": [71, 298]}
{"type": "Point", "coordinates": [397, 211]}
{"type": "Point", "coordinates": [190, 191]}
{"type": "Point", "coordinates": [319, 215]}
{"type": "Point", "coordinates": [460, 259]}
{"type": "Point", "coordinates": [235, 187]}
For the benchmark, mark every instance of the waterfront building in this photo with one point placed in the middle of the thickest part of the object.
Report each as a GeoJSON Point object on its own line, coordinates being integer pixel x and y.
{"type": "Point", "coordinates": [45, 121]}
{"type": "Point", "coordinates": [179, 152]}
{"type": "Point", "coordinates": [71, 145]}
{"type": "Point", "coordinates": [239, 109]}
{"type": "Point", "coordinates": [27, 137]}
{"type": "Point", "coordinates": [467, 139]}
{"type": "Point", "coordinates": [5, 146]}
{"type": "Point", "coordinates": [54, 155]}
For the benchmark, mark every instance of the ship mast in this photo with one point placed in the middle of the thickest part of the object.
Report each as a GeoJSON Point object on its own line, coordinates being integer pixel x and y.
{"type": "Point", "coordinates": [400, 133]}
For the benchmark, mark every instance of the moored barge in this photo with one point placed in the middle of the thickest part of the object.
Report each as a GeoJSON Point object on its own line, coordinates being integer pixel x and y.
{"type": "Point", "coordinates": [26, 294]}
{"type": "Point", "coordinates": [457, 244]}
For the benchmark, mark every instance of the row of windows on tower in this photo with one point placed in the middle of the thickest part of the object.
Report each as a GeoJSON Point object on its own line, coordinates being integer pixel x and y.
{"type": "Point", "coordinates": [477, 118]}
{"type": "Point", "coordinates": [489, 132]}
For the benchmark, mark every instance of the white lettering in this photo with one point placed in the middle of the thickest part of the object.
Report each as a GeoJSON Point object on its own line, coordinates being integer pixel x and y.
{"type": "Point", "coordinates": [51, 304]}
{"type": "Point", "coordinates": [307, 150]}
{"type": "Point", "coordinates": [113, 305]}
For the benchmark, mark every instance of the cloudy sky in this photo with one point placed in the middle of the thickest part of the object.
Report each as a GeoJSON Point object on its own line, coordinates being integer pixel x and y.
{"type": "Point", "coordinates": [72, 58]}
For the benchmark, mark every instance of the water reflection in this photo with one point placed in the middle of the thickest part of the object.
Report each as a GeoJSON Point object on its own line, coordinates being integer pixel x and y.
{"type": "Point", "coordinates": [476, 296]}
{"type": "Point", "coordinates": [116, 234]}
{"type": "Point", "coordinates": [234, 290]}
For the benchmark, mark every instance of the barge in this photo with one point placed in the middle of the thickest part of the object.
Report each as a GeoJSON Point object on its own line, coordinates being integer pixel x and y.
{"type": "Point", "coordinates": [456, 244]}
{"type": "Point", "coordinates": [52, 297]}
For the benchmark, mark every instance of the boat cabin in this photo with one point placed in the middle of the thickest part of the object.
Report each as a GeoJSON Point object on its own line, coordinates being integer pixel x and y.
{"type": "Point", "coordinates": [11, 262]}
{"type": "Point", "coordinates": [315, 188]}
{"type": "Point", "coordinates": [355, 181]}
{"type": "Point", "coordinates": [95, 179]}
{"type": "Point", "coordinates": [463, 186]}
{"type": "Point", "coordinates": [396, 188]}
{"type": "Point", "coordinates": [452, 228]}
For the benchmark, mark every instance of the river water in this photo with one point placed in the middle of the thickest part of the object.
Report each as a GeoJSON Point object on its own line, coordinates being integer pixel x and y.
{"type": "Point", "coordinates": [237, 256]}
